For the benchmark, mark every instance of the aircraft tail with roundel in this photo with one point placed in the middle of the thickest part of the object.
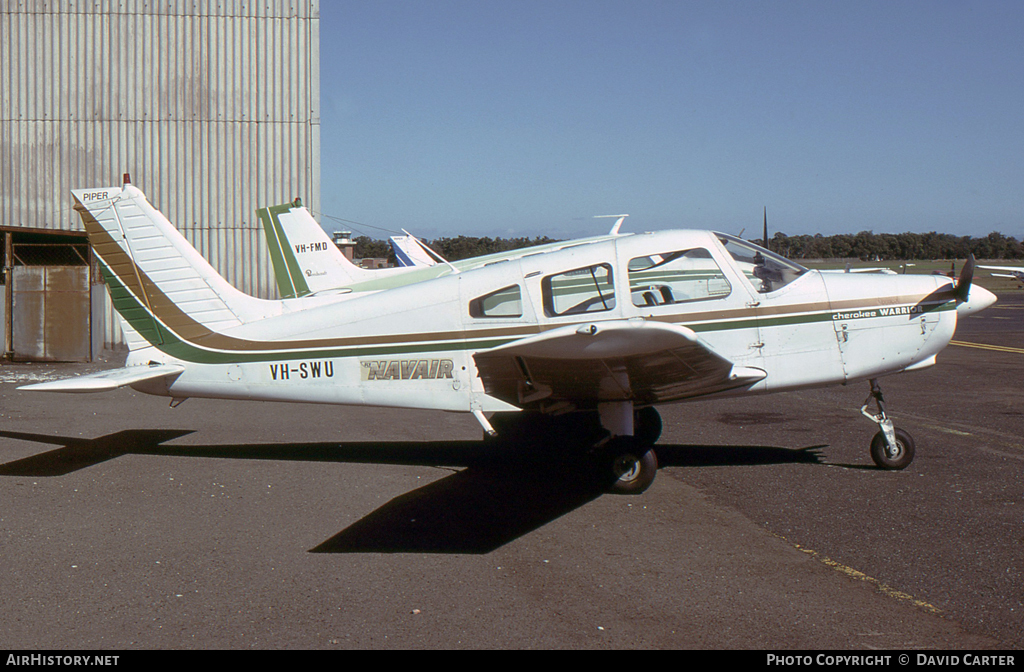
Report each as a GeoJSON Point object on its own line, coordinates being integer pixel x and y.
{"type": "Point", "coordinates": [306, 260]}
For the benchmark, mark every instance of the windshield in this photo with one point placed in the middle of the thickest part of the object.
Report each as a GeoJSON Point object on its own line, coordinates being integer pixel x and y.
{"type": "Point", "coordinates": [766, 270]}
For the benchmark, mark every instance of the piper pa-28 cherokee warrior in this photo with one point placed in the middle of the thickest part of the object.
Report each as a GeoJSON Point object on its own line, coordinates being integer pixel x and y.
{"type": "Point", "coordinates": [591, 336]}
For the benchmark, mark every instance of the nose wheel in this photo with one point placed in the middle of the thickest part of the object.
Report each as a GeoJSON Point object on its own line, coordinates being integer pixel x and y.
{"type": "Point", "coordinates": [888, 458]}
{"type": "Point", "coordinates": [891, 448]}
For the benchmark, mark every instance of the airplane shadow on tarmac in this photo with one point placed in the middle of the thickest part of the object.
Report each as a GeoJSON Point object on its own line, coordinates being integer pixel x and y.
{"type": "Point", "coordinates": [496, 495]}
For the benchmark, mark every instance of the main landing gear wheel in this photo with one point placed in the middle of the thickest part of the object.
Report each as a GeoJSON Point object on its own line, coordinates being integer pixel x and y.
{"type": "Point", "coordinates": [631, 464]}
{"type": "Point", "coordinates": [898, 458]}
{"type": "Point", "coordinates": [647, 425]}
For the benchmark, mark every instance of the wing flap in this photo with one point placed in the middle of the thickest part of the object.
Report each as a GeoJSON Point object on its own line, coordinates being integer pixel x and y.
{"type": "Point", "coordinates": [106, 381]}
{"type": "Point", "coordinates": [647, 362]}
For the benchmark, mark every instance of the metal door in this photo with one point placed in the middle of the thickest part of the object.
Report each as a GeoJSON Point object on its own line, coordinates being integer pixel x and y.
{"type": "Point", "coordinates": [51, 316]}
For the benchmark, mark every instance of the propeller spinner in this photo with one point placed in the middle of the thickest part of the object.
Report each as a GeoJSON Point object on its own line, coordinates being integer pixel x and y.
{"type": "Point", "coordinates": [968, 301]}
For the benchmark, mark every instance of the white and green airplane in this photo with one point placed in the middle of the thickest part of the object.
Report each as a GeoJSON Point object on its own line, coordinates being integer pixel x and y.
{"type": "Point", "coordinates": [585, 339]}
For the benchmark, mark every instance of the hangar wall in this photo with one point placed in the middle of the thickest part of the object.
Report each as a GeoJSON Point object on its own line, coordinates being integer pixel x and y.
{"type": "Point", "coordinates": [212, 106]}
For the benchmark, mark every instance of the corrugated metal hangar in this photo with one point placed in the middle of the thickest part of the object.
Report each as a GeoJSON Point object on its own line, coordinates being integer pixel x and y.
{"type": "Point", "coordinates": [212, 106]}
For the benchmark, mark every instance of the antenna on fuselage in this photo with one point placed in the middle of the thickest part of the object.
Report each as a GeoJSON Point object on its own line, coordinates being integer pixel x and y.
{"type": "Point", "coordinates": [618, 223]}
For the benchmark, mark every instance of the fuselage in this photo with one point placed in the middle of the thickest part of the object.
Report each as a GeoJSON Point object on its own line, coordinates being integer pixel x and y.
{"type": "Point", "coordinates": [413, 345]}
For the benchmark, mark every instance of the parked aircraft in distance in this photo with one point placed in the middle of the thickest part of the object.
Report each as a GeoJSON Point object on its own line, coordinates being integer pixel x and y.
{"type": "Point", "coordinates": [1015, 272]}
{"type": "Point", "coordinates": [307, 262]}
{"type": "Point", "coordinates": [411, 251]}
{"type": "Point", "coordinates": [590, 336]}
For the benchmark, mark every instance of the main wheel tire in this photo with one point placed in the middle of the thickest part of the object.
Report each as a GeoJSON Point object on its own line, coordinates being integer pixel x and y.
{"type": "Point", "coordinates": [631, 465]}
{"type": "Point", "coordinates": [904, 451]}
{"type": "Point", "coordinates": [647, 425]}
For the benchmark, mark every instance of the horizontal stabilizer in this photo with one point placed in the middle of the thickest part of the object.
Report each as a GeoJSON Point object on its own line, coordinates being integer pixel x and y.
{"type": "Point", "coordinates": [106, 381]}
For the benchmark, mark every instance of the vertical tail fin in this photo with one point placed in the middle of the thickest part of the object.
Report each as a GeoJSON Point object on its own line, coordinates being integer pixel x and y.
{"type": "Point", "coordinates": [411, 252]}
{"type": "Point", "coordinates": [306, 261]}
{"type": "Point", "coordinates": [157, 280]}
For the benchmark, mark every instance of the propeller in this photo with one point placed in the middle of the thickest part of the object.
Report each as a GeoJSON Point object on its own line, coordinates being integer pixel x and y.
{"type": "Point", "coordinates": [766, 246]}
{"type": "Point", "coordinates": [963, 283]}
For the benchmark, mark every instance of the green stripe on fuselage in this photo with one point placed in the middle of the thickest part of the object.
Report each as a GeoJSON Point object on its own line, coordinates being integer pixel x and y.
{"type": "Point", "coordinates": [170, 343]}
{"type": "Point", "coordinates": [165, 340]}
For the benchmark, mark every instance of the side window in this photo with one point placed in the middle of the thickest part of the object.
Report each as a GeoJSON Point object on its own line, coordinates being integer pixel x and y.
{"type": "Point", "coordinates": [506, 302]}
{"type": "Point", "coordinates": [584, 290]}
{"type": "Point", "coordinates": [676, 277]}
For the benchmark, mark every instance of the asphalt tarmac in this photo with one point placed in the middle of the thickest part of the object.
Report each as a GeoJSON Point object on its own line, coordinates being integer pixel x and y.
{"type": "Point", "coordinates": [127, 524]}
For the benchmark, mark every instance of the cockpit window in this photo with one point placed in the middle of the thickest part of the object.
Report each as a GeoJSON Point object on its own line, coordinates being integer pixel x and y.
{"type": "Point", "coordinates": [766, 270]}
{"type": "Point", "coordinates": [675, 277]}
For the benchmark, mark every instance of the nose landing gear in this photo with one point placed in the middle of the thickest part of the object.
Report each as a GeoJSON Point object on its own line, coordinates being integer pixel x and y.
{"type": "Point", "coordinates": [891, 448]}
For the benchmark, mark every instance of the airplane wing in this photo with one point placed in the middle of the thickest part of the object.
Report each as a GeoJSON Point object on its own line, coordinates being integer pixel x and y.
{"type": "Point", "coordinates": [105, 381]}
{"type": "Point", "coordinates": [850, 269]}
{"type": "Point", "coordinates": [647, 362]}
{"type": "Point", "coordinates": [1016, 272]}
{"type": "Point", "coordinates": [872, 269]}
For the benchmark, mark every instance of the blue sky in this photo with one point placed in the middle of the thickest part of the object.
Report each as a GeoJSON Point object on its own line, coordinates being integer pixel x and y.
{"type": "Point", "coordinates": [524, 118]}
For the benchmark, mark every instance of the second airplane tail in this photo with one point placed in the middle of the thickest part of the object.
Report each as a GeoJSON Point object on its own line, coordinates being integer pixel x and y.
{"type": "Point", "coordinates": [306, 261]}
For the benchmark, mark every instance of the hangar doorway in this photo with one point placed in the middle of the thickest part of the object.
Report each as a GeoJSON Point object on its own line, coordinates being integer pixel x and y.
{"type": "Point", "coordinates": [48, 287]}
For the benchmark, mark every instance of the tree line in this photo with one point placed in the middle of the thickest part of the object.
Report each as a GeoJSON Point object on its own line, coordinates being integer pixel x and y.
{"type": "Point", "coordinates": [869, 246]}
{"type": "Point", "coordinates": [452, 249]}
{"type": "Point", "coordinates": [866, 245]}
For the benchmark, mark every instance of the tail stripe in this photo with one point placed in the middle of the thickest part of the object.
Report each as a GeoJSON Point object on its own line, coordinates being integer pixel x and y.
{"type": "Point", "coordinates": [177, 329]}
{"type": "Point", "coordinates": [214, 347]}
{"type": "Point", "coordinates": [286, 267]}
